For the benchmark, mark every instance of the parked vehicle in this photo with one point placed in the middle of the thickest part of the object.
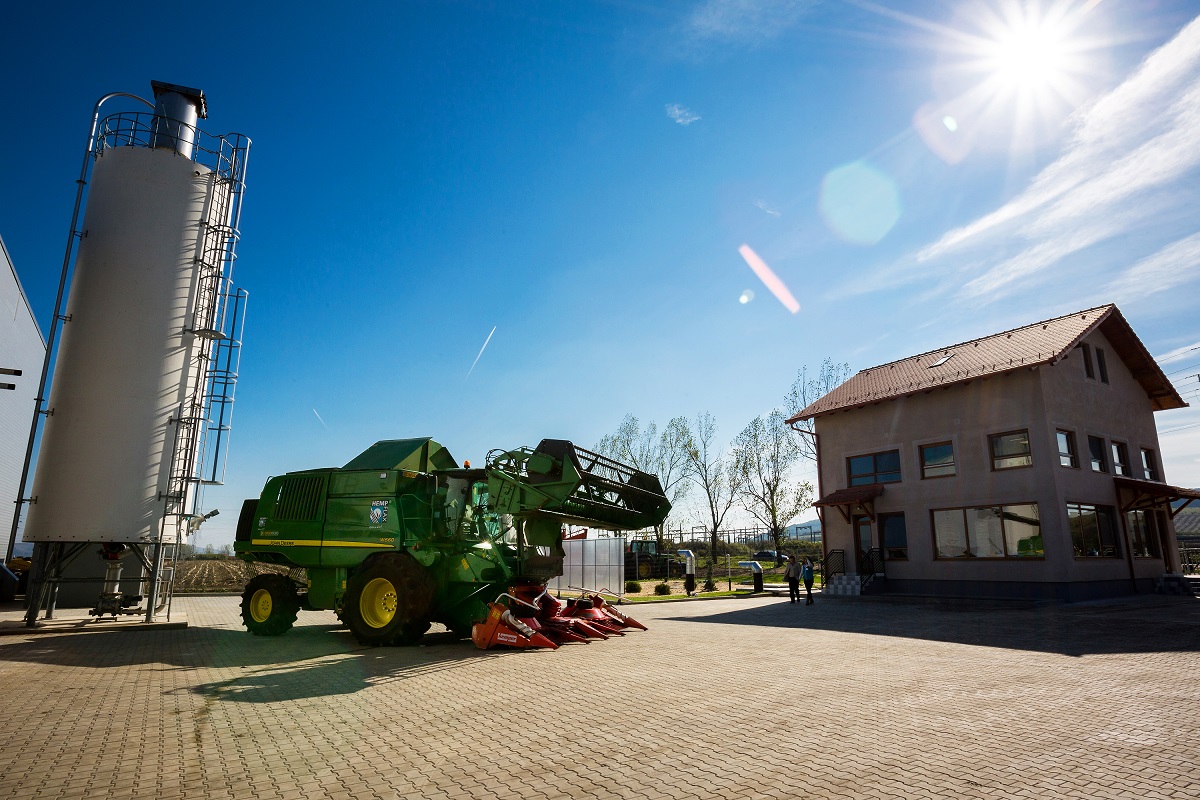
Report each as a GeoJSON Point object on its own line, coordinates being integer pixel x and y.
{"type": "Point", "coordinates": [643, 561]}
{"type": "Point", "coordinates": [402, 536]}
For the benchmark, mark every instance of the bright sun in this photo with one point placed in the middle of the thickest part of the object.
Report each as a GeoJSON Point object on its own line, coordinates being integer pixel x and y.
{"type": "Point", "coordinates": [1029, 54]}
{"type": "Point", "coordinates": [1012, 70]}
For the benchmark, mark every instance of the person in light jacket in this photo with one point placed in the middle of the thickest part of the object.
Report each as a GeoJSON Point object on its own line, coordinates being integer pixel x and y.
{"type": "Point", "coordinates": [792, 574]}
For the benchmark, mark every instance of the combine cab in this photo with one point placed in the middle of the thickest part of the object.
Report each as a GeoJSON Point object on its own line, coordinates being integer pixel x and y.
{"type": "Point", "coordinates": [402, 536]}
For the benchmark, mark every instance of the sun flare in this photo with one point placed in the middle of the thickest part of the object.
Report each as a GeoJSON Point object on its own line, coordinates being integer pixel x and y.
{"type": "Point", "coordinates": [1030, 57]}
{"type": "Point", "coordinates": [1029, 53]}
{"type": "Point", "coordinates": [1009, 74]}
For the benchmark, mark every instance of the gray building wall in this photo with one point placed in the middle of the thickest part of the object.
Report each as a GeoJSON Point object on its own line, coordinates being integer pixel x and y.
{"type": "Point", "coordinates": [21, 347]}
{"type": "Point", "coordinates": [1040, 400]}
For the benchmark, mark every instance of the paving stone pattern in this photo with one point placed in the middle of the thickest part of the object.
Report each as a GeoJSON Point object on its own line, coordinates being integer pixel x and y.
{"type": "Point", "coordinates": [739, 698]}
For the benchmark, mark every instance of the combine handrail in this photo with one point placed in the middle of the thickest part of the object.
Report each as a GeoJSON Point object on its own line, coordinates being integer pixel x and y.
{"type": "Point", "coordinates": [605, 590]}
{"type": "Point", "coordinates": [518, 600]}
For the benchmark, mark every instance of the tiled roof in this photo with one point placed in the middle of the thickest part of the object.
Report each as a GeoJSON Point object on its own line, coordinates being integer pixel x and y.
{"type": "Point", "coordinates": [1040, 343]}
{"type": "Point", "coordinates": [854, 494]}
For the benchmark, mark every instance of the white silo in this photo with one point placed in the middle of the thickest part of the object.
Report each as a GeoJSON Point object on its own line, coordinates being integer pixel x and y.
{"type": "Point", "coordinates": [149, 343]}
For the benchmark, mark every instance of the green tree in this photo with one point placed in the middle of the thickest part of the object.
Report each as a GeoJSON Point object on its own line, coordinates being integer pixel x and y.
{"type": "Point", "coordinates": [764, 454]}
{"type": "Point", "coordinates": [715, 474]}
{"type": "Point", "coordinates": [806, 390]}
{"type": "Point", "coordinates": [662, 454]}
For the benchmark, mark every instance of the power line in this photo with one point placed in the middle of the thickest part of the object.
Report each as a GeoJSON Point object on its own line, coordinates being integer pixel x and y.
{"type": "Point", "coordinates": [1181, 352]}
{"type": "Point", "coordinates": [1180, 428]}
{"type": "Point", "coordinates": [1184, 369]}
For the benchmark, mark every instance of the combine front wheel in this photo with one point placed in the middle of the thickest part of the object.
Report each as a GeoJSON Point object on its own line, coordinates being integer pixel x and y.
{"type": "Point", "coordinates": [269, 605]}
{"type": "Point", "coordinates": [388, 601]}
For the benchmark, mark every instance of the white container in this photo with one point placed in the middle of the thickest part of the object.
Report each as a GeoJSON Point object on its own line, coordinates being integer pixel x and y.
{"type": "Point", "coordinates": [126, 358]}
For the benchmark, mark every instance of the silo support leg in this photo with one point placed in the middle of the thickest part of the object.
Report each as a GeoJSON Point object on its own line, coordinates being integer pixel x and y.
{"type": "Point", "coordinates": [48, 571]}
{"type": "Point", "coordinates": [152, 594]}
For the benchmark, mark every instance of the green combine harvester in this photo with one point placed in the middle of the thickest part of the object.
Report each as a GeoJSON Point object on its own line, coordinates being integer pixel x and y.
{"type": "Point", "coordinates": [402, 536]}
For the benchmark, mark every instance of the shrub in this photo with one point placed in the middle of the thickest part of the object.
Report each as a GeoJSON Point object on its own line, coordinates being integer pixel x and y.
{"type": "Point", "coordinates": [632, 587]}
{"type": "Point", "coordinates": [662, 588]}
{"type": "Point", "coordinates": [710, 586]}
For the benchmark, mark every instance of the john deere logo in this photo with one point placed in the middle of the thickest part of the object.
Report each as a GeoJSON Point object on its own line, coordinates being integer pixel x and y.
{"type": "Point", "coordinates": [379, 512]}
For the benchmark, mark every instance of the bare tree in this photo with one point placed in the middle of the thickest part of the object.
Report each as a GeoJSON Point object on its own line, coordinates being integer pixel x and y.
{"type": "Point", "coordinates": [764, 454]}
{"type": "Point", "coordinates": [716, 475]}
{"type": "Point", "coordinates": [663, 455]}
{"type": "Point", "coordinates": [805, 390]}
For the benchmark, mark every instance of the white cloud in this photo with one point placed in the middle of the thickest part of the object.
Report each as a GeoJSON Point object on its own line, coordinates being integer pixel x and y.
{"type": "Point", "coordinates": [1173, 265]}
{"type": "Point", "coordinates": [762, 206]}
{"type": "Point", "coordinates": [745, 21]}
{"type": "Point", "coordinates": [1131, 152]}
{"type": "Point", "coordinates": [681, 113]}
{"type": "Point", "coordinates": [1178, 352]}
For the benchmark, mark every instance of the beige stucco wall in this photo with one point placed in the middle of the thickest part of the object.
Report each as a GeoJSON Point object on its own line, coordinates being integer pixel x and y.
{"type": "Point", "coordinates": [1040, 400]}
{"type": "Point", "coordinates": [1117, 411]}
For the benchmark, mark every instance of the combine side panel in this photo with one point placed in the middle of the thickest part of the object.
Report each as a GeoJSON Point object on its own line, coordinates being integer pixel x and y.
{"type": "Point", "coordinates": [360, 517]}
{"type": "Point", "coordinates": [290, 515]}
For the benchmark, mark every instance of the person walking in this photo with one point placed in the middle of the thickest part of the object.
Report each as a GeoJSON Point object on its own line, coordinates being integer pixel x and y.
{"type": "Point", "coordinates": [806, 572]}
{"type": "Point", "coordinates": [792, 574]}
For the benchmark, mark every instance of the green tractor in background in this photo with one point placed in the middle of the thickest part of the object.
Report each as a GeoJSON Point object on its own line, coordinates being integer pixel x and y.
{"type": "Point", "coordinates": [401, 536]}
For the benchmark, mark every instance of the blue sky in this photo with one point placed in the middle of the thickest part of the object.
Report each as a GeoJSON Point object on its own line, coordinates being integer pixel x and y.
{"type": "Point", "coordinates": [581, 177]}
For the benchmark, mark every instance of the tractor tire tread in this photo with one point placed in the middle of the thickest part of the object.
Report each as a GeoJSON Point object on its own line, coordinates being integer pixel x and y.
{"type": "Point", "coordinates": [414, 600]}
{"type": "Point", "coordinates": [285, 604]}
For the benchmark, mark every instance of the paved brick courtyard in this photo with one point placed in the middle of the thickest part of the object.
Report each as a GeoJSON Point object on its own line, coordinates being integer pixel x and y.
{"type": "Point", "coordinates": [720, 699]}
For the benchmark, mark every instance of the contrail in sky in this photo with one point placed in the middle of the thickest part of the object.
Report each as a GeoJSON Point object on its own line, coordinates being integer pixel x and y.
{"type": "Point", "coordinates": [326, 427]}
{"type": "Point", "coordinates": [485, 344]}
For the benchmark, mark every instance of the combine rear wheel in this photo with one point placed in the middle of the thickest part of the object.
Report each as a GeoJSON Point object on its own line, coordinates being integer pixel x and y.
{"type": "Point", "coordinates": [388, 600]}
{"type": "Point", "coordinates": [270, 605]}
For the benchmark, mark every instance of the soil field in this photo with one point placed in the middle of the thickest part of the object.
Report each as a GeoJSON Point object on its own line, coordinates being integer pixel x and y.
{"type": "Point", "coordinates": [217, 575]}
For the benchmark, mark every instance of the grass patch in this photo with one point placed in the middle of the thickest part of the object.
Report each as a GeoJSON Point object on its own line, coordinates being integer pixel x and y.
{"type": "Point", "coordinates": [681, 597]}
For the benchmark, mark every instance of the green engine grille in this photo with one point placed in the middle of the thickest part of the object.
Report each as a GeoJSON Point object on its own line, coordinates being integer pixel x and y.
{"type": "Point", "coordinates": [300, 498]}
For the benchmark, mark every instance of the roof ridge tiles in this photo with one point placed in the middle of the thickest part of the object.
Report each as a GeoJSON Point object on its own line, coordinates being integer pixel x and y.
{"type": "Point", "coordinates": [1007, 334]}
{"type": "Point", "coordinates": [1002, 352]}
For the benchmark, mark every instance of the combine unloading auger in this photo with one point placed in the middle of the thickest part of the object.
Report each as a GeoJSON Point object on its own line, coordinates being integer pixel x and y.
{"type": "Point", "coordinates": [402, 537]}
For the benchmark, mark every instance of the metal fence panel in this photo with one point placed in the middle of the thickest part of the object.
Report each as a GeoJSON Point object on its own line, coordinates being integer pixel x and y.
{"type": "Point", "coordinates": [593, 564]}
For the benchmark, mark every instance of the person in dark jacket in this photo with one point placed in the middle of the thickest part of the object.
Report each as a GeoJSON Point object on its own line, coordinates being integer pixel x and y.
{"type": "Point", "coordinates": [806, 572]}
{"type": "Point", "coordinates": [792, 574]}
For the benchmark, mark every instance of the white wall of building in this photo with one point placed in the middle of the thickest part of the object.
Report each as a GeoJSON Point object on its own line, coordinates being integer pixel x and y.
{"type": "Point", "coordinates": [21, 347]}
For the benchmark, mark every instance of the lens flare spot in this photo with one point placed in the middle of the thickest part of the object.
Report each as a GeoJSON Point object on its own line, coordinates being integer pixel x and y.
{"type": "Point", "coordinates": [765, 274]}
{"type": "Point", "coordinates": [746, 297]}
{"type": "Point", "coordinates": [859, 203]}
{"type": "Point", "coordinates": [950, 122]}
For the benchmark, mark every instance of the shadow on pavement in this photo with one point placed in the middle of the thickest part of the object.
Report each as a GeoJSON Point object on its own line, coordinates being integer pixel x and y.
{"type": "Point", "coordinates": [1138, 625]}
{"type": "Point", "coordinates": [308, 661]}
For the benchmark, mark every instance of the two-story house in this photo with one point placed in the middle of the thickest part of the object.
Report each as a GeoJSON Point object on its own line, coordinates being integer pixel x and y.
{"type": "Point", "coordinates": [1023, 464]}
